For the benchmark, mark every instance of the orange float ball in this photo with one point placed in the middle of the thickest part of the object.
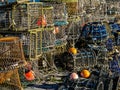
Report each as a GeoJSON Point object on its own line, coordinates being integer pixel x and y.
{"type": "Point", "coordinates": [30, 75]}
{"type": "Point", "coordinates": [74, 76]}
{"type": "Point", "coordinates": [73, 50]}
{"type": "Point", "coordinates": [85, 73]}
{"type": "Point", "coordinates": [56, 30]}
{"type": "Point", "coordinates": [44, 22]}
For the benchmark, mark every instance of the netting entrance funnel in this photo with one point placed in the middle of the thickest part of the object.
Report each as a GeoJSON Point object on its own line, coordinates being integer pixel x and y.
{"type": "Point", "coordinates": [11, 58]}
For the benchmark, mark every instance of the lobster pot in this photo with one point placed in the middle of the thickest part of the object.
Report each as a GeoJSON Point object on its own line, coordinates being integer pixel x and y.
{"type": "Point", "coordinates": [86, 58]}
{"type": "Point", "coordinates": [72, 6]}
{"type": "Point", "coordinates": [48, 12]}
{"type": "Point", "coordinates": [31, 42]}
{"type": "Point", "coordinates": [27, 16]}
{"type": "Point", "coordinates": [48, 39]}
{"type": "Point", "coordinates": [99, 33]}
{"type": "Point", "coordinates": [10, 80]}
{"type": "Point", "coordinates": [60, 13]}
{"type": "Point", "coordinates": [95, 31]}
{"type": "Point", "coordinates": [73, 31]}
{"type": "Point", "coordinates": [101, 55]}
{"type": "Point", "coordinates": [60, 35]}
{"type": "Point", "coordinates": [5, 18]}
{"type": "Point", "coordinates": [11, 54]}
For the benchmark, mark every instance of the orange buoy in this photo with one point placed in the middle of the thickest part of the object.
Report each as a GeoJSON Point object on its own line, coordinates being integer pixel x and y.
{"type": "Point", "coordinates": [42, 21]}
{"type": "Point", "coordinates": [73, 50]}
{"type": "Point", "coordinates": [85, 73]}
{"type": "Point", "coordinates": [29, 75]}
{"type": "Point", "coordinates": [56, 30]}
{"type": "Point", "coordinates": [73, 76]}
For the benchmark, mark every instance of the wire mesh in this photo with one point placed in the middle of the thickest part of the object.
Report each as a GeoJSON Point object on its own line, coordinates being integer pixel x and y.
{"type": "Point", "coordinates": [10, 80]}
{"type": "Point", "coordinates": [48, 39]}
{"type": "Point", "coordinates": [73, 32]}
{"type": "Point", "coordinates": [60, 13]}
{"type": "Point", "coordinates": [71, 7]}
{"type": "Point", "coordinates": [85, 58]}
{"type": "Point", "coordinates": [60, 35]}
{"type": "Point", "coordinates": [26, 16]}
{"type": "Point", "coordinates": [31, 42]}
{"type": "Point", "coordinates": [48, 12]}
{"type": "Point", "coordinates": [11, 54]}
{"type": "Point", "coordinates": [5, 18]}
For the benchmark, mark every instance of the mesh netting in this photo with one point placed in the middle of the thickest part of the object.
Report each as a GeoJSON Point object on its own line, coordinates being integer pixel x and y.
{"type": "Point", "coordinates": [5, 18]}
{"type": "Point", "coordinates": [11, 54]}
{"type": "Point", "coordinates": [60, 13]}
{"type": "Point", "coordinates": [48, 39]}
{"type": "Point", "coordinates": [31, 42]}
{"type": "Point", "coordinates": [72, 6]}
{"type": "Point", "coordinates": [60, 36]}
{"type": "Point", "coordinates": [48, 12]}
{"type": "Point", "coordinates": [26, 16]}
{"type": "Point", "coordinates": [10, 80]}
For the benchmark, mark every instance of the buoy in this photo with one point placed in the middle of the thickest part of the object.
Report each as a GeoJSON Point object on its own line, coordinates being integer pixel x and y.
{"type": "Point", "coordinates": [74, 76]}
{"type": "Point", "coordinates": [29, 75]}
{"type": "Point", "coordinates": [42, 21]}
{"type": "Point", "coordinates": [85, 73]}
{"type": "Point", "coordinates": [73, 50]}
{"type": "Point", "coordinates": [56, 30]}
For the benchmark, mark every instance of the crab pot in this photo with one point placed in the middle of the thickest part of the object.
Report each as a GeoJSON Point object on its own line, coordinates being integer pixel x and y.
{"type": "Point", "coordinates": [27, 16]}
{"type": "Point", "coordinates": [48, 39]}
{"type": "Point", "coordinates": [60, 13]}
{"type": "Point", "coordinates": [48, 12]}
{"type": "Point", "coordinates": [10, 80]}
{"type": "Point", "coordinates": [11, 54]}
{"type": "Point", "coordinates": [101, 55]}
{"type": "Point", "coordinates": [86, 58]}
{"type": "Point", "coordinates": [11, 58]}
{"type": "Point", "coordinates": [73, 32]}
{"type": "Point", "coordinates": [60, 35]}
{"type": "Point", "coordinates": [72, 6]}
{"type": "Point", "coordinates": [31, 42]}
{"type": "Point", "coordinates": [95, 31]}
{"type": "Point", "coordinates": [5, 18]}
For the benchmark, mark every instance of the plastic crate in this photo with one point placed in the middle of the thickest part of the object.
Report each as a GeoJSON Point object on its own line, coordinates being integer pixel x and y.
{"type": "Point", "coordinates": [27, 16]}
